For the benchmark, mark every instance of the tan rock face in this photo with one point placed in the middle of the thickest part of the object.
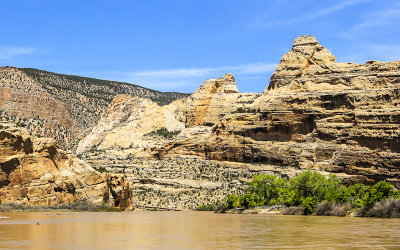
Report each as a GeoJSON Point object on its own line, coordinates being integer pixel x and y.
{"type": "Point", "coordinates": [316, 113]}
{"type": "Point", "coordinates": [118, 193]}
{"type": "Point", "coordinates": [311, 67]}
{"type": "Point", "coordinates": [128, 121]}
{"type": "Point", "coordinates": [211, 99]}
{"type": "Point", "coordinates": [37, 172]}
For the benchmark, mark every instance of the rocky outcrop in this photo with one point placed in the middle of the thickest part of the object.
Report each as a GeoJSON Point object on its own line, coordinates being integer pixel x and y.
{"type": "Point", "coordinates": [118, 193]}
{"type": "Point", "coordinates": [210, 100]}
{"type": "Point", "coordinates": [34, 171]}
{"type": "Point", "coordinates": [129, 122]}
{"type": "Point", "coordinates": [308, 66]}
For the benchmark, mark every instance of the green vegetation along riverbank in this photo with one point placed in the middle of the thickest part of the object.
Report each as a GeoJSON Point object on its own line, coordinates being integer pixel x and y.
{"type": "Point", "coordinates": [312, 193]}
{"type": "Point", "coordinates": [80, 206]}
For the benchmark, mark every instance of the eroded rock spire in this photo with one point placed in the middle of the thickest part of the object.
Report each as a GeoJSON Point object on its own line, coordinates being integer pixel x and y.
{"type": "Point", "coordinates": [306, 51]}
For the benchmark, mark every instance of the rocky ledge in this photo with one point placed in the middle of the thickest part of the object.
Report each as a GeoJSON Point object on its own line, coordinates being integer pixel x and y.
{"type": "Point", "coordinates": [35, 172]}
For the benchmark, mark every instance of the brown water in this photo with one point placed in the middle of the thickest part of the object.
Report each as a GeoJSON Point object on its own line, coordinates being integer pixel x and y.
{"type": "Point", "coordinates": [199, 230]}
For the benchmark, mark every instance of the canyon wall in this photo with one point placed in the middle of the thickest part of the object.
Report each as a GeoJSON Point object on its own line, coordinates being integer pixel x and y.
{"type": "Point", "coordinates": [315, 113]}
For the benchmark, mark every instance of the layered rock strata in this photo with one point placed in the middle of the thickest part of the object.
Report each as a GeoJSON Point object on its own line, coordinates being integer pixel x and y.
{"type": "Point", "coordinates": [316, 113]}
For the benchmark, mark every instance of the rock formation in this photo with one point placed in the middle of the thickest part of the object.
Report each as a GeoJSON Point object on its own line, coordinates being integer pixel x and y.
{"type": "Point", "coordinates": [118, 193]}
{"type": "Point", "coordinates": [128, 122]}
{"type": "Point", "coordinates": [210, 100]}
{"type": "Point", "coordinates": [34, 171]}
{"type": "Point", "coordinates": [316, 113]}
{"type": "Point", "coordinates": [308, 66]}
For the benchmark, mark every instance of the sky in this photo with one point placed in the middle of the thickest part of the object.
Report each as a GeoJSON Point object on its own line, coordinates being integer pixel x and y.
{"type": "Point", "coordinates": [175, 45]}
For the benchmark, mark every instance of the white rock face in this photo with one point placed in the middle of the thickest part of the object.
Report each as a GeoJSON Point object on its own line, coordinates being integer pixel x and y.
{"type": "Point", "coordinates": [128, 120]}
{"type": "Point", "coordinates": [130, 123]}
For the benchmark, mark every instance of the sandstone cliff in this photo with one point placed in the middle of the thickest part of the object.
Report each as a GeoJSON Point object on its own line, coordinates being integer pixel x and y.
{"type": "Point", "coordinates": [308, 66]}
{"type": "Point", "coordinates": [316, 113]}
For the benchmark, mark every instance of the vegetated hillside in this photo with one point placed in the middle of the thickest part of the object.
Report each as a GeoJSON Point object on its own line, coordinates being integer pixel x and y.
{"type": "Point", "coordinates": [60, 106]}
{"type": "Point", "coordinates": [97, 88]}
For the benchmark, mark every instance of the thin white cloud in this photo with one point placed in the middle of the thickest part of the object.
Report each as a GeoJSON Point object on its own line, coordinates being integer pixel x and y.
{"type": "Point", "coordinates": [8, 52]}
{"type": "Point", "coordinates": [183, 72]}
{"type": "Point", "coordinates": [312, 15]}
{"type": "Point", "coordinates": [187, 79]}
{"type": "Point", "coordinates": [365, 33]}
{"type": "Point", "coordinates": [252, 68]}
{"type": "Point", "coordinates": [380, 18]}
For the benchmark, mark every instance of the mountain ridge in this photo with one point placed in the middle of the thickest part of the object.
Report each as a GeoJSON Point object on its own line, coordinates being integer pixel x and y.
{"type": "Point", "coordinates": [34, 72]}
{"type": "Point", "coordinates": [64, 107]}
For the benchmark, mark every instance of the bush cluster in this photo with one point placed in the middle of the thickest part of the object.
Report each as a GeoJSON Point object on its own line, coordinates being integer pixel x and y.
{"type": "Point", "coordinates": [101, 169]}
{"type": "Point", "coordinates": [20, 125]}
{"type": "Point", "coordinates": [164, 132]}
{"type": "Point", "coordinates": [209, 207]}
{"type": "Point", "coordinates": [246, 110]}
{"type": "Point", "coordinates": [314, 193]}
{"type": "Point", "coordinates": [79, 206]}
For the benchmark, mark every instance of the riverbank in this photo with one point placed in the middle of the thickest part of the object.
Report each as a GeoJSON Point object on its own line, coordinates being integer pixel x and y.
{"type": "Point", "coordinates": [385, 209]}
{"type": "Point", "coordinates": [81, 206]}
{"type": "Point", "coordinates": [311, 193]}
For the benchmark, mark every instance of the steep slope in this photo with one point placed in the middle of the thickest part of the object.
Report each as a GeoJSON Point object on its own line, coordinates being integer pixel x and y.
{"type": "Point", "coordinates": [63, 107]}
{"type": "Point", "coordinates": [97, 88]}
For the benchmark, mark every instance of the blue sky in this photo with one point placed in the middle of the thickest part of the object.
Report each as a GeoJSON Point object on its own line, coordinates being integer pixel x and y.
{"type": "Point", "coordinates": [174, 45]}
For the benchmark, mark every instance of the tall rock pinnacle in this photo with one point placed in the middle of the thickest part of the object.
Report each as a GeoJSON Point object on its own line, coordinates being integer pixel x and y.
{"type": "Point", "coordinates": [306, 51]}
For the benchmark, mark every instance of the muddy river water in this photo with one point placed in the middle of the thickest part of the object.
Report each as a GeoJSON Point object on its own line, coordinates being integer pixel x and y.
{"type": "Point", "coordinates": [198, 230]}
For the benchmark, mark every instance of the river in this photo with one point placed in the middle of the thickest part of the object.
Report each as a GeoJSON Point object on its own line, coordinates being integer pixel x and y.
{"type": "Point", "coordinates": [198, 230]}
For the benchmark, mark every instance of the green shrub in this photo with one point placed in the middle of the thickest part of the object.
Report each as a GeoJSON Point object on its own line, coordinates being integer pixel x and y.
{"type": "Point", "coordinates": [248, 201]}
{"type": "Point", "coordinates": [357, 194]}
{"type": "Point", "coordinates": [265, 188]}
{"type": "Point", "coordinates": [209, 207]}
{"type": "Point", "coordinates": [164, 132]}
{"type": "Point", "coordinates": [309, 204]}
{"type": "Point", "coordinates": [313, 192]}
{"type": "Point", "coordinates": [233, 201]}
{"type": "Point", "coordinates": [20, 125]}
{"type": "Point", "coordinates": [246, 110]}
{"type": "Point", "coordinates": [102, 169]}
{"type": "Point", "coordinates": [379, 192]}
